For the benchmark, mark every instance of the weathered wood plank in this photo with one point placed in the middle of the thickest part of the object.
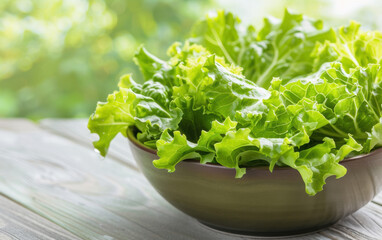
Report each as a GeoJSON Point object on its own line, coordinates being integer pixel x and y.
{"type": "Point", "coordinates": [67, 183]}
{"type": "Point", "coordinates": [77, 131]}
{"type": "Point", "coordinates": [364, 224]}
{"type": "Point", "coordinates": [17, 222]}
{"type": "Point", "coordinates": [378, 199]}
{"type": "Point", "coordinates": [93, 198]}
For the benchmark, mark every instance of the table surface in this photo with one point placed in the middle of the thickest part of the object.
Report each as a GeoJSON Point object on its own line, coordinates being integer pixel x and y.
{"type": "Point", "coordinates": [53, 185]}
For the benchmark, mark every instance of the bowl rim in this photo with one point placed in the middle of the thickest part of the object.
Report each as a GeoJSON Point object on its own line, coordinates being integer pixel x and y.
{"type": "Point", "coordinates": [134, 140]}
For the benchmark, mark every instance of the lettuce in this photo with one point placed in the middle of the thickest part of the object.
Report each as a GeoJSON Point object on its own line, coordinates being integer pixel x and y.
{"type": "Point", "coordinates": [282, 48]}
{"type": "Point", "coordinates": [293, 94]}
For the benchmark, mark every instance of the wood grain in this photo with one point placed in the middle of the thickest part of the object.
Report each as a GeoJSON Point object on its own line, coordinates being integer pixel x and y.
{"type": "Point", "coordinates": [60, 177]}
{"type": "Point", "coordinates": [17, 222]}
{"type": "Point", "coordinates": [77, 131]}
{"type": "Point", "coordinates": [93, 198]}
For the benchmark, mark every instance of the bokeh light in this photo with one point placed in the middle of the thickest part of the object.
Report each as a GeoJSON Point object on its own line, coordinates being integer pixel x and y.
{"type": "Point", "coordinates": [58, 57]}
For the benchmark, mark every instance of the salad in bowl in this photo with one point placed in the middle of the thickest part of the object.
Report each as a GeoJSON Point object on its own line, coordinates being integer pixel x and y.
{"type": "Point", "coordinates": [293, 96]}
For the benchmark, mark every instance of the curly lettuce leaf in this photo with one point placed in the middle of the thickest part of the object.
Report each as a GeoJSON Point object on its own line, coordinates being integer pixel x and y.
{"type": "Point", "coordinates": [374, 137]}
{"type": "Point", "coordinates": [317, 163]}
{"type": "Point", "coordinates": [111, 118]}
{"type": "Point", "coordinates": [338, 99]}
{"type": "Point", "coordinates": [173, 149]}
{"type": "Point", "coordinates": [282, 48]}
{"type": "Point", "coordinates": [352, 47]}
{"type": "Point", "coordinates": [235, 148]}
{"type": "Point", "coordinates": [145, 106]}
{"type": "Point", "coordinates": [227, 93]}
{"type": "Point", "coordinates": [218, 32]}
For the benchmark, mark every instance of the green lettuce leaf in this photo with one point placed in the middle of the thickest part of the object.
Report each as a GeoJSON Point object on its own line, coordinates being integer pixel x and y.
{"type": "Point", "coordinates": [172, 150]}
{"type": "Point", "coordinates": [111, 118]}
{"type": "Point", "coordinates": [352, 47]}
{"type": "Point", "coordinates": [282, 48]}
{"type": "Point", "coordinates": [145, 106]}
{"type": "Point", "coordinates": [317, 163]}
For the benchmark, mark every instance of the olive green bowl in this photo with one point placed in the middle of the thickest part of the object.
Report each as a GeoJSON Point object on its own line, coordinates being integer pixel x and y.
{"type": "Point", "coordinates": [261, 203]}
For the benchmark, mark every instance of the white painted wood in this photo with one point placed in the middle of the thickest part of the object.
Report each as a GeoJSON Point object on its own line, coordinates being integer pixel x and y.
{"type": "Point", "coordinates": [17, 222]}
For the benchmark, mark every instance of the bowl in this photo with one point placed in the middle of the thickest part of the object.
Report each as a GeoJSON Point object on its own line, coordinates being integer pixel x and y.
{"type": "Point", "coordinates": [261, 203]}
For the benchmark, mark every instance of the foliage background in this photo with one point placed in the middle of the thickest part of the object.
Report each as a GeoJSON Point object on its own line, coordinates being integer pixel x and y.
{"type": "Point", "coordinates": [58, 57]}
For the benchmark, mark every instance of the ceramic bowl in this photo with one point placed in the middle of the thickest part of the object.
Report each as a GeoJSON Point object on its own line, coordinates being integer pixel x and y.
{"type": "Point", "coordinates": [261, 203]}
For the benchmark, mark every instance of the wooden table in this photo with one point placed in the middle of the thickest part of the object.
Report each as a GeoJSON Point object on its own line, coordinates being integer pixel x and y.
{"type": "Point", "coordinates": [54, 186]}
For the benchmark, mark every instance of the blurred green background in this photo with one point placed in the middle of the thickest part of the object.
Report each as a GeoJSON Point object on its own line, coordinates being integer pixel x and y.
{"type": "Point", "coordinates": [59, 57]}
